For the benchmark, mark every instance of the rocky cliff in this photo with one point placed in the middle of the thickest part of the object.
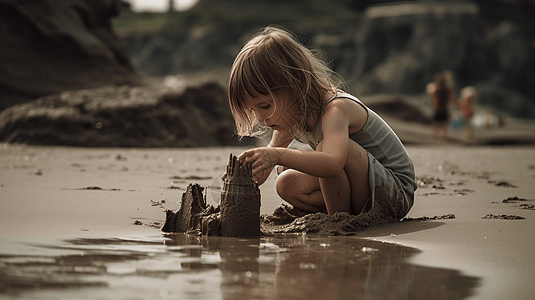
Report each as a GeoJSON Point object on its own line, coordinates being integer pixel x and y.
{"type": "Point", "coordinates": [110, 116]}
{"type": "Point", "coordinates": [400, 47]}
{"type": "Point", "coordinates": [395, 48]}
{"type": "Point", "coordinates": [49, 46]}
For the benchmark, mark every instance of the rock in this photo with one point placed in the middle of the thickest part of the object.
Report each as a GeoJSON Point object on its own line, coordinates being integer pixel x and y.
{"type": "Point", "coordinates": [395, 49]}
{"type": "Point", "coordinates": [205, 47]}
{"type": "Point", "coordinates": [50, 46]}
{"type": "Point", "coordinates": [401, 46]}
{"type": "Point", "coordinates": [502, 99]}
{"type": "Point", "coordinates": [513, 58]}
{"type": "Point", "coordinates": [126, 116]}
{"type": "Point", "coordinates": [396, 106]}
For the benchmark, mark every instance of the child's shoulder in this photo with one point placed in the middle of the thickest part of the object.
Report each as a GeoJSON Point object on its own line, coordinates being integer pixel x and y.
{"type": "Point", "coordinates": [345, 105]}
{"type": "Point", "coordinates": [345, 101]}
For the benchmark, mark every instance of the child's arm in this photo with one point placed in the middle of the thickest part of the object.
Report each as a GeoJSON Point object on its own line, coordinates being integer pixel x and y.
{"type": "Point", "coordinates": [329, 161]}
{"type": "Point", "coordinates": [280, 140]}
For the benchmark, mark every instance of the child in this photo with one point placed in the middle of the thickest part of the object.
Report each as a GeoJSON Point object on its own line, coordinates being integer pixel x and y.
{"type": "Point", "coordinates": [358, 163]}
{"type": "Point", "coordinates": [442, 93]}
{"type": "Point", "coordinates": [468, 97]}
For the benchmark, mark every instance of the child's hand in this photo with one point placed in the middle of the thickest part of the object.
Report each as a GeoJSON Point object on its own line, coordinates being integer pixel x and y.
{"type": "Point", "coordinates": [262, 160]}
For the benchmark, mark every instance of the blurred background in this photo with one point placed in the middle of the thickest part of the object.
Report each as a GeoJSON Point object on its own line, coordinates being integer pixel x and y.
{"type": "Point", "coordinates": [135, 73]}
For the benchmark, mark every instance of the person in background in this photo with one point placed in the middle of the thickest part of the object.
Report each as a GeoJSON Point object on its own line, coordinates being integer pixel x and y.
{"type": "Point", "coordinates": [442, 93]}
{"type": "Point", "coordinates": [468, 97]}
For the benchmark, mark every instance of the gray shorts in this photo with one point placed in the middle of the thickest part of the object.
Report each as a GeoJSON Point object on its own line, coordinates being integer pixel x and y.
{"type": "Point", "coordinates": [389, 198]}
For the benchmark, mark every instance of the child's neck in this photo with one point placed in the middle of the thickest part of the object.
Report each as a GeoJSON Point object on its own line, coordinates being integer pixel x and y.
{"type": "Point", "coordinates": [311, 123]}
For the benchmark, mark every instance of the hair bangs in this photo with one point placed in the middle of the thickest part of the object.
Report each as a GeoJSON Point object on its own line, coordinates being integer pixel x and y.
{"type": "Point", "coordinates": [246, 79]}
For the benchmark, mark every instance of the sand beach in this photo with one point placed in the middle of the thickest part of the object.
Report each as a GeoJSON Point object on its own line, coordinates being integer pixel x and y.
{"type": "Point", "coordinates": [471, 226]}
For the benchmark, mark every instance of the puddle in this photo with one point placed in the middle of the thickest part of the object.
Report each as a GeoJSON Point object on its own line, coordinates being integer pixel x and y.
{"type": "Point", "coordinates": [180, 266]}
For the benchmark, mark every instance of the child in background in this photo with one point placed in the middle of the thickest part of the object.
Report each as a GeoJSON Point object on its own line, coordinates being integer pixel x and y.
{"type": "Point", "coordinates": [358, 165]}
{"type": "Point", "coordinates": [442, 93]}
{"type": "Point", "coordinates": [468, 97]}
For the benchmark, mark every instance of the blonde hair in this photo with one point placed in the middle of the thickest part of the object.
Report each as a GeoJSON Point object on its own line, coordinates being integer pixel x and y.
{"type": "Point", "coordinates": [273, 62]}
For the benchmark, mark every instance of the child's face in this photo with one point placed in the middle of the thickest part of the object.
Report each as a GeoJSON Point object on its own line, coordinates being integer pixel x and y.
{"type": "Point", "coordinates": [280, 115]}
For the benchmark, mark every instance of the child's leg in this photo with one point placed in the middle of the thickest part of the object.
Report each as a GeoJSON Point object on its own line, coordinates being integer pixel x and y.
{"type": "Point", "coordinates": [350, 191]}
{"type": "Point", "coordinates": [300, 190]}
{"type": "Point", "coordinates": [468, 131]}
{"type": "Point", "coordinates": [347, 192]}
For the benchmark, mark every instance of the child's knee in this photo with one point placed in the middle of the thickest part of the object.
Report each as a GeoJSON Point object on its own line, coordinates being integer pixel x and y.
{"type": "Point", "coordinates": [290, 183]}
{"type": "Point", "coordinates": [283, 184]}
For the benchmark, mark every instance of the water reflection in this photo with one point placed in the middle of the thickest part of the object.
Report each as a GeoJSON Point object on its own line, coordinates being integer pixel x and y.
{"type": "Point", "coordinates": [182, 266]}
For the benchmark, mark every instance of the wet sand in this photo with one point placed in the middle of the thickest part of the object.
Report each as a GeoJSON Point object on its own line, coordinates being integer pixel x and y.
{"type": "Point", "coordinates": [59, 201]}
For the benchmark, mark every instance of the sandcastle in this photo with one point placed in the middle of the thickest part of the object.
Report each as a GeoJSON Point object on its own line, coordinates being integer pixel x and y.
{"type": "Point", "coordinates": [237, 215]}
{"type": "Point", "coordinates": [240, 201]}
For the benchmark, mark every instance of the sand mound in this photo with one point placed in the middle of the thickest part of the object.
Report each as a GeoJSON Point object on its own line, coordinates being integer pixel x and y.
{"type": "Point", "coordinates": [124, 116]}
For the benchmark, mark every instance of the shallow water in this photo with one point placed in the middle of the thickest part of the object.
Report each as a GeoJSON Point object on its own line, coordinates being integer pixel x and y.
{"type": "Point", "coordinates": [180, 266]}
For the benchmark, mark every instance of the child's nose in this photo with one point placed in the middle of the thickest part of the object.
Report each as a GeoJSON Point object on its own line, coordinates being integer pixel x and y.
{"type": "Point", "coordinates": [261, 117]}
